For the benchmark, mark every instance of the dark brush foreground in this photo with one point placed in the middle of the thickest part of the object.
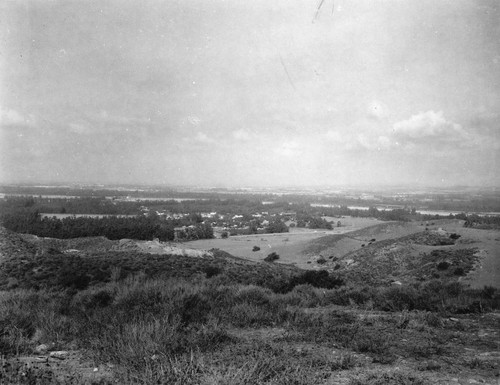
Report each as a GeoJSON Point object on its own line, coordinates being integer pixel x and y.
{"type": "Point", "coordinates": [85, 312]}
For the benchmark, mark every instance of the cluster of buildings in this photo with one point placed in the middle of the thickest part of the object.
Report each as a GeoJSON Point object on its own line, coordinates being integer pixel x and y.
{"type": "Point", "coordinates": [231, 223]}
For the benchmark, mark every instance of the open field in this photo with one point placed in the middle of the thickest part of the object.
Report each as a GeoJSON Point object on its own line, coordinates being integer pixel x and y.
{"type": "Point", "coordinates": [303, 247]}
{"type": "Point", "coordinates": [62, 216]}
{"type": "Point", "coordinates": [289, 246]}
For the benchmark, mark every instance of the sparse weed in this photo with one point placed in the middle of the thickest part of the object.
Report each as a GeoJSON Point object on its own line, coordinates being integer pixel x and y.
{"type": "Point", "coordinates": [389, 377]}
{"type": "Point", "coordinates": [344, 362]}
{"type": "Point", "coordinates": [151, 327]}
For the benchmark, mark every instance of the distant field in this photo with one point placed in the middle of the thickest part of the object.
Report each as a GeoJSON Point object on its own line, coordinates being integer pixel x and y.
{"type": "Point", "coordinates": [303, 247]}
{"type": "Point", "coordinates": [62, 216]}
{"type": "Point", "coordinates": [289, 246]}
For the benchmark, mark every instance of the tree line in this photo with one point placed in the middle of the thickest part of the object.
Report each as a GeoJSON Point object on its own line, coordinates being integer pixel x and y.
{"type": "Point", "coordinates": [112, 227]}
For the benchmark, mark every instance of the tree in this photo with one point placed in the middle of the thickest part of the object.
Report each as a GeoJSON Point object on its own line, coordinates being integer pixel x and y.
{"type": "Point", "coordinates": [253, 227]}
{"type": "Point", "coordinates": [277, 226]}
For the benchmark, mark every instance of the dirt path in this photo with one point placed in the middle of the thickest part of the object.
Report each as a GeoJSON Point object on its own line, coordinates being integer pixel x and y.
{"type": "Point", "coordinates": [487, 272]}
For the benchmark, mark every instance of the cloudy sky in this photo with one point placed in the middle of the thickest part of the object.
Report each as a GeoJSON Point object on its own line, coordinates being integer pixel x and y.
{"type": "Point", "coordinates": [238, 92]}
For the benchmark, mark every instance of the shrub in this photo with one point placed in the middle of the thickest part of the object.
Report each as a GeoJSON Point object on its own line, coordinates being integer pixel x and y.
{"type": "Point", "coordinates": [303, 295]}
{"type": "Point", "coordinates": [90, 300]}
{"type": "Point", "coordinates": [488, 292]}
{"type": "Point", "coordinates": [398, 298]}
{"type": "Point", "coordinates": [376, 342]}
{"type": "Point", "coordinates": [319, 278]}
{"type": "Point", "coordinates": [443, 265]}
{"type": "Point", "coordinates": [211, 271]}
{"type": "Point", "coordinates": [272, 257]}
{"type": "Point", "coordinates": [254, 295]}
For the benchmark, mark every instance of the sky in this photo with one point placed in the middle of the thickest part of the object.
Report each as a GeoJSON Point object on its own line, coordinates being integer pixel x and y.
{"type": "Point", "coordinates": [232, 93]}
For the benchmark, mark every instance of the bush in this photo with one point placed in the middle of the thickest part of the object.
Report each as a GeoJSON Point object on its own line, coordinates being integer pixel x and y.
{"type": "Point", "coordinates": [319, 278]}
{"type": "Point", "coordinates": [488, 292]}
{"type": "Point", "coordinates": [272, 257]}
{"type": "Point", "coordinates": [398, 298]}
{"type": "Point", "coordinates": [212, 271]}
{"type": "Point", "coordinates": [443, 265]}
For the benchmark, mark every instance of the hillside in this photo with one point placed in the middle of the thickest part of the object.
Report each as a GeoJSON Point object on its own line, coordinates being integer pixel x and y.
{"type": "Point", "coordinates": [94, 311]}
{"type": "Point", "coordinates": [31, 262]}
{"type": "Point", "coordinates": [409, 252]}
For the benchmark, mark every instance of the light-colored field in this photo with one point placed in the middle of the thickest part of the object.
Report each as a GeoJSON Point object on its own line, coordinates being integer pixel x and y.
{"type": "Point", "coordinates": [289, 246]}
{"type": "Point", "coordinates": [303, 247]}
{"type": "Point", "coordinates": [62, 216]}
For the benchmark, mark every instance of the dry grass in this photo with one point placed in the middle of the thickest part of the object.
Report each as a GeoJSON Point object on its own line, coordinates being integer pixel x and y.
{"type": "Point", "coordinates": [221, 320]}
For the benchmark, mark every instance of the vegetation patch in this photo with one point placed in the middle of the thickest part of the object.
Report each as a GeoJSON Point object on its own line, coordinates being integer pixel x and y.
{"type": "Point", "coordinates": [174, 319]}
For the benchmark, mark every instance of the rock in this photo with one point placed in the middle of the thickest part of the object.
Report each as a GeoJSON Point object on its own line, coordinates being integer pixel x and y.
{"type": "Point", "coordinates": [60, 354]}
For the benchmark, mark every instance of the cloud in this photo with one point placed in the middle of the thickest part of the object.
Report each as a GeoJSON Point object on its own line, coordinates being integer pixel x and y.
{"type": "Point", "coordinates": [104, 117]}
{"type": "Point", "coordinates": [241, 135]}
{"type": "Point", "coordinates": [194, 120]}
{"type": "Point", "coordinates": [201, 137]}
{"type": "Point", "coordinates": [360, 141]}
{"type": "Point", "coordinates": [384, 143]}
{"type": "Point", "coordinates": [334, 136]}
{"type": "Point", "coordinates": [429, 125]}
{"type": "Point", "coordinates": [80, 128]}
{"type": "Point", "coordinates": [104, 123]}
{"type": "Point", "coordinates": [344, 141]}
{"type": "Point", "coordinates": [377, 110]}
{"type": "Point", "coordinates": [373, 142]}
{"type": "Point", "coordinates": [12, 118]}
{"type": "Point", "coordinates": [288, 149]}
